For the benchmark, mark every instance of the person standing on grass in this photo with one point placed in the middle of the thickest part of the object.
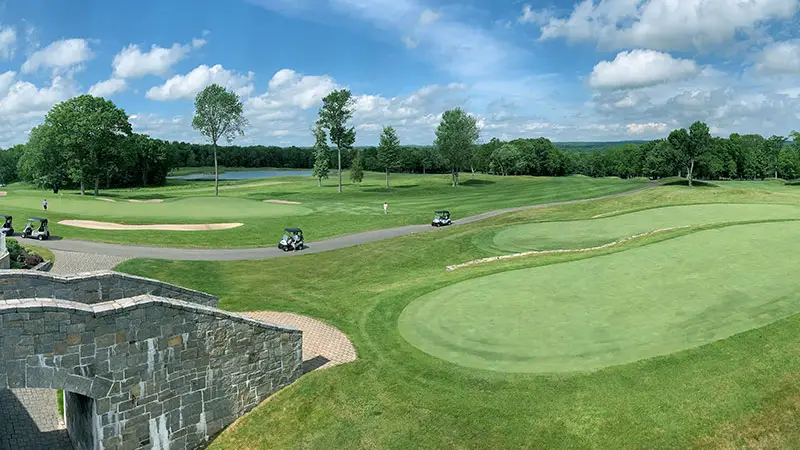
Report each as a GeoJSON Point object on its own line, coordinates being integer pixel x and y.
{"type": "Point", "coordinates": [385, 208]}
{"type": "Point", "coordinates": [44, 204]}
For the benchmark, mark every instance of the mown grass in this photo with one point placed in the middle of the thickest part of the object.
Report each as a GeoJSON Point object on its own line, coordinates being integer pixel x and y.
{"type": "Point", "coordinates": [396, 396]}
{"type": "Point", "coordinates": [324, 213]}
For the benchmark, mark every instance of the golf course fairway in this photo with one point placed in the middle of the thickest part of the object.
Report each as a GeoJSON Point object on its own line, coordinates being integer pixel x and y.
{"type": "Point", "coordinates": [616, 308]}
{"type": "Point", "coordinates": [593, 232]}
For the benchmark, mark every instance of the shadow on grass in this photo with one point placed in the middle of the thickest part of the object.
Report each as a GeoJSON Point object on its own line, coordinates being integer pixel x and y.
{"type": "Point", "coordinates": [476, 182]}
{"type": "Point", "coordinates": [383, 189]}
{"type": "Point", "coordinates": [695, 183]}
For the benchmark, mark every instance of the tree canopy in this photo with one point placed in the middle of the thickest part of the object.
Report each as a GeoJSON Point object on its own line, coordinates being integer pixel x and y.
{"type": "Point", "coordinates": [456, 137]}
{"type": "Point", "coordinates": [218, 114]}
{"type": "Point", "coordinates": [388, 151]}
{"type": "Point", "coordinates": [337, 109]}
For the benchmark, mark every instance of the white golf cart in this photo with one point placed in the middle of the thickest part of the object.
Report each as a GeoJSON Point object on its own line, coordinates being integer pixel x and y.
{"type": "Point", "coordinates": [441, 219]}
{"type": "Point", "coordinates": [40, 232]}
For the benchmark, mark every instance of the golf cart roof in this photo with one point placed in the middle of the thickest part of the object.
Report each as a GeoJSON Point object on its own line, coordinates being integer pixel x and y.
{"type": "Point", "coordinates": [442, 212]}
{"type": "Point", "coordinates": [38, 219]}
{"type": "Point", "coordinates": [5, 217]}
{"type": "Point", "coordinates": [293, 230]}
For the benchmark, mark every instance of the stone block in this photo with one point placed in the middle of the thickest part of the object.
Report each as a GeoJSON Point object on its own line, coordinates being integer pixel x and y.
{"type": "Point", "coordinates": [39, 377]}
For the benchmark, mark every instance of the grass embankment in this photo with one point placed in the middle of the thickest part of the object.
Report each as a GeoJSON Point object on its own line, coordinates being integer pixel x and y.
{"type": "Point", "coordinates": [739, 389]}
{"type": "Point", "coordinates": [324, 213]}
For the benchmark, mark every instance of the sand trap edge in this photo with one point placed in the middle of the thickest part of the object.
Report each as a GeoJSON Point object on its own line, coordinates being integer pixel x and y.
{"type": "Point", "coordinates": [283, 202]}
{"type": "Point", "coordinates": [152, 200]}
{"type": "Point", "coordinates": [94, 225]}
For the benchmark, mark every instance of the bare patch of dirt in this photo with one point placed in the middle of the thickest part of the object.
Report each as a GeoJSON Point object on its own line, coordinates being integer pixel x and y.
{"type": "Point", "coordinates": [283, 202]}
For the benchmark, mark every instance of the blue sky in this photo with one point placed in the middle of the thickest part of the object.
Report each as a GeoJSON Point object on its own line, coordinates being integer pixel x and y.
{"type": "Point", "coordinates": [594, 70]}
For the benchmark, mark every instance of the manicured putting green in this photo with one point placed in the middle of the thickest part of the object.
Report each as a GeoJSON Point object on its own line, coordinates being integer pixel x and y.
{"type": "Point", "coordinates": [593, 232]}
{"type": "Point", "coordinates": [617, 308]}
{"type": "Point", "coordinates": [194, 208]}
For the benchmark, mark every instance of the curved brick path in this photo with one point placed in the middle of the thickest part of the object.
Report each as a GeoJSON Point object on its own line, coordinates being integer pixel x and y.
{"type": "Point", "coordinates": [323, 345]}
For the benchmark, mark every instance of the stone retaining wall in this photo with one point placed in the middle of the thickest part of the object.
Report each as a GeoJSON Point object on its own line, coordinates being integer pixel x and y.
{"type": "Point", "coordinates": [160, 373]}
{"type": "Point", "coordinates": [93, 287]}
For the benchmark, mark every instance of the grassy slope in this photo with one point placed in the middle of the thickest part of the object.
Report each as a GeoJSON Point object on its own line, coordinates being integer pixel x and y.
{"type": "Point", "coordinates": [617, 308]}
{"type": "Point", "coordinates": [598, 231]}
{"type": "Point", "coordinates": [323, 214]}
{"type": "Point", "coordinates": [396, 396]}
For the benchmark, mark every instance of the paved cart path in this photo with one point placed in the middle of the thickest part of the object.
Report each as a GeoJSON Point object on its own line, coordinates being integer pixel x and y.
{"type": "Point", "coordinates": [195, 254]}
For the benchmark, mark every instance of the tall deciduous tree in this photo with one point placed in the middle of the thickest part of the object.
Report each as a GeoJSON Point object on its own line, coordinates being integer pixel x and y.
{"type": "Point", "coordinates": [388, 151]}
{"type": "Point", "coordinates": [41, 162]}
{"type": "Point", "coordinates": [357, 168]}
{"type": "Point", "coordinates": [699, 140]}
{"type": "Point", "coordinates": [322, 161]}
{"type": "Point", "coordinates": [90, 131]}
{"type": "Point", "coordinates": [773, 148]}
{"type": "Point", "coordinates": [456, 137]}
{"type": "Point", "coordinates": [218, 114]}
{"type": "Point", "coordinates": [337, 109]}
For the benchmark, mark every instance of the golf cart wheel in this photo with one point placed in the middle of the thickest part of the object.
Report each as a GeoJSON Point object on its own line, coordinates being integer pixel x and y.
{"type": "Point", "coordinates": [41, 237]}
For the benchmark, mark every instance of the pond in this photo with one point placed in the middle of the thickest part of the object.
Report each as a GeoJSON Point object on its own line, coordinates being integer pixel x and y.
{"type": "Point", "coordinates": [243, 175]}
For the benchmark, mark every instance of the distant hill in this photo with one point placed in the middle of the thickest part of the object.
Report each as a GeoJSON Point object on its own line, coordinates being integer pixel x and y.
{"type": "Point", "coordinates": [594, 145]}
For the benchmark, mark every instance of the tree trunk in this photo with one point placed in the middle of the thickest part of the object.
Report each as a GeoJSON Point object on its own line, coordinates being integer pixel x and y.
{"type": "Point", "coordinates": [144, 175]}
{"type": "Point", "coordinates": [453, 176]}
{"type": "Point", "coordinates": [340, 169]}
{"type": "Point", "coordinates": [387, 178]}
{"type": "Point", "coordinates": [776, 173]}
{"type": "Point", "coordinates": [96, 185]}
{"type": "Point", "coordinates": [319, 181]}
{"type": "Point", "coordinates": [423, 170]}
{"type": "Point", "coordinates": [216, 171]}
{"type": "Point", "coordinates": [690, 172]}
{"type": "Point", "coordinates": [473, 171]}
{"type": "Point", "coordinates": [82, 188]}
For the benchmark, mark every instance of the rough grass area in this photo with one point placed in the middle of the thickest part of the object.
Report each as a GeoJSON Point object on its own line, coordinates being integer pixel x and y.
{"type": "Point", "coordinates": [717, 395]}
{"type": "Point", "coordinates": [324, 213]}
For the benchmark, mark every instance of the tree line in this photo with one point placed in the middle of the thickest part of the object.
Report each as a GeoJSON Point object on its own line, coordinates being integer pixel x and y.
{"type": "Point", "coordinates": [87, 142]}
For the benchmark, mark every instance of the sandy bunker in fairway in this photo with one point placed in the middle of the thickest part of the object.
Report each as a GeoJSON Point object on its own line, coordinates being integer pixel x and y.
{"type": "Point", "coordinates": [152, 200]}
{"type": "Point", "coordinates": [283, 202]}
{"type": "Point", "coordinates": [613, 309]}
{"type": "Point", "coordinates": [94, 225]}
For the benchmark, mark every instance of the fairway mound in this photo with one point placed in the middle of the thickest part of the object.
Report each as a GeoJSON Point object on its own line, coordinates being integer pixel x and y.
{"type": "Point", "coordinates": [106, 199]}
{"type": "Point", "coordinates": [575, 250]}
{"type": "Point", "coordinates": [94, 225]}
{"type": "Point", "coordinates": [152, 200]}
{"type": "Point", "coordinates": [283, 202]}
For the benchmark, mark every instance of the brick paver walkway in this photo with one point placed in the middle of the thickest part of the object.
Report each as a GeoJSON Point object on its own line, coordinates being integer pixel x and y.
{"type": "Point", "coordinates": [74, 262]}
{"type": "Point", "coordinates": [323, 345]}
{"type": "Point", "coordinates": [29, 421]}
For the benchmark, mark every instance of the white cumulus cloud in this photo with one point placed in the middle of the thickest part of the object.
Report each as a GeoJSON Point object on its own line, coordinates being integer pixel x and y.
{"type": "Point", "coordinates": [428, 17]}
{"type": "Point", "coordinates": [132, 62]}
{"type": "Point", "coordinates": [664, 24]}
{"type": "Point", "coordinates": [187, 86]}
{"type": "Point", "coordinates": [780, 57]}
{"type": "Point", "coordinates": [108, 87]}
{"type": "Point", "coordinates": [59, 55]}
{"type": "Point", "coordinates": [646, 128]}
{"type": "Point", "coordinates": [639, 68]}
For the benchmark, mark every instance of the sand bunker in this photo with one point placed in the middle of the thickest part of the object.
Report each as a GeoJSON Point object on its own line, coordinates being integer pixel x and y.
{"type": "Point", "coordinates": [93, 225]}
{"type": "Point", "coordinates": [106, 199]}
{"type": "Point", "coordinates": [283, 202]}
{"type": "Point", "coordinates": [3, 193]}
{"type": "Point", "coordinates": [152, 200]}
